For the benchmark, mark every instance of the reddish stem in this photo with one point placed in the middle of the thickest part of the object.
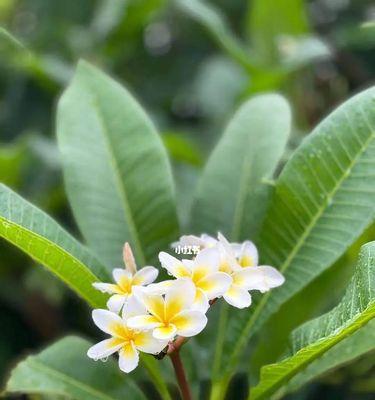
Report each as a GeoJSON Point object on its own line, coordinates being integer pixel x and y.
{"type": "Point", "coordinates": [180, 374]}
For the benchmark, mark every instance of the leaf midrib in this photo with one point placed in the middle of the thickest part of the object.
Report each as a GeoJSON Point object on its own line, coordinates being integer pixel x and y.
{"type": "Point", "coordinates": [300, 243]}
{"type": "Point", "coordinates": [324, 344]}
{"type": "Point", "coordinates": [119, 183]}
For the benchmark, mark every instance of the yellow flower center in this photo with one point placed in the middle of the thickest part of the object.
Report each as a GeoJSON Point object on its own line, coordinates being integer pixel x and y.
{"type": "Point", "coordinates": [124, 286]}
{"type": "Point", "coordinates": [122, 333]}
{"type": "Point", "coordinates": [246, 261]}
{"type": "Point", "coordinates": [225, 267]}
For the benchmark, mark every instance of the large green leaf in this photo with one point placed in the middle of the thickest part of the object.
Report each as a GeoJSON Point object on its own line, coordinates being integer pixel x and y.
{"type": "Point", "coordinates": [316, 337]}
{"type": "Point", "coordinates": [356, 345]}
{"type": "Point", "coordinates": [231, 196]}
{"type": "Point", "coordinates": [323, 200]}
{"type": "Point", "coordinates": [317, 297]}
{"type": "Point", "coordinates": [44, 240]}
{"type": "Point", "coordinates": [117, 174]}
{"type": "Point", "coordinates": [64, 369]}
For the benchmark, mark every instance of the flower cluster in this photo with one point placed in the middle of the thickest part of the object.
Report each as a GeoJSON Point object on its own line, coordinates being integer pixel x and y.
{"type": "Point", "coordinates": [147, 316]}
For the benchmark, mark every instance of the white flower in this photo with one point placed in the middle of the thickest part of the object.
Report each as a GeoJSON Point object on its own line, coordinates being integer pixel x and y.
{"type": "Point", "coordinates": [240, 261]}
{"type": "Point", "coordinates": [204, 273]}
{"type": "Point", "coordinates": [125, 281]}
{"type": "Point", "coordinates": [124, 340]}
{"type": "Point", "coordinates": [170, 315]}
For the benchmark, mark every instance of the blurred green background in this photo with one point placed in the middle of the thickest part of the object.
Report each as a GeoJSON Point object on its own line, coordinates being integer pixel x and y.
{"type": "Point", "coordinates": [190, 64]}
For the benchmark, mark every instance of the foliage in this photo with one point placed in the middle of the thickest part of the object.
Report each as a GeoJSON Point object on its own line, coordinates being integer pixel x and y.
{"type": "Point", "coordinates": [307, 202]}
{"type": "Point", "coordinates": [324, 189]}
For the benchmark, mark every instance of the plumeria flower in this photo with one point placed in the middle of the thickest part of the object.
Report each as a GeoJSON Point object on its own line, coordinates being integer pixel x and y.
{"type": "Point", "coordinates": [203, 271]}
{"type": "Point", "coordinates": [125, 281]}
{"type": "Point", "coordinates": [124, 340]}
{"type": "Point", "coordinates": [240, 261]}
{"type": "Point", "coordinates": [171, 314]}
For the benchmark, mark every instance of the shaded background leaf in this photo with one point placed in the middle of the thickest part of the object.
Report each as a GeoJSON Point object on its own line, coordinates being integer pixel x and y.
{"type": "Point", "coordinates": [118, 177]}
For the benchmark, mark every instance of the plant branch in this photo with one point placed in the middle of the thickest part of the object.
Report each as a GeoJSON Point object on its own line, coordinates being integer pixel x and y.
{"type": "Point", "coordinates": [180, 375]}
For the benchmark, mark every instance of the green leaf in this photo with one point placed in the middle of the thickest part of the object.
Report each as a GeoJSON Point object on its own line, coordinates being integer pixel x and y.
{"type": "Point", "coordinates": [317, 297]}
{"type": "Point", "coordinates": [64, 369]}
{"type": "Point", "coordinates": [231, 196]}
{"type": "Point", "coordinates": [323, 200]}
{"type": "Point", "coordinates": [316, 337]}
{"type": "Point", "coordinates": [116, 169]}
{"type": "Point", "coordinates": [214, 21]}
{"type": "Point", "coordinates": [356, 345]}
{"type": "Point", "coordinates": [38, 235]}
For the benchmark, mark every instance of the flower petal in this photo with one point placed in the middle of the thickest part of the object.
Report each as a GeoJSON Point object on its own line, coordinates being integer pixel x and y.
{"type": "Point", "coordinates": [133, 307]}
{"type": "Point", "coordinates": [248, 256]}
{"type": "Point", "coordinates": [237, 297]}
{"type": "Point", "coordinates": [143, 322]}
{"type": "Point", "coordinates": [116, 302]}
{"type": "Point", "coordinates": [144, 341]}
{"type": "Point", "coordinates": [180, 296]}
{"type": "Point", "coordinates": [106, 287]}
{"type": "Point", "coordinates": [261, 278]}
{"type": "Point", "coordinates": [129, 358]}
{"type": "Point", "coordinates": [215, 285]}
{"type": "Point", "coordinates": [205, 262]}
{"type": "Point", "coordinates": [107, 321]}
{"type": "Point", "coordinates": [188, 240]}
{"type": "Point", "coordinates": [153, 303]}
{"type": "Point", "coordinates": [173, 265]}
{"type": "Point", "coordinates": [160, 287]}
{"type": "Point", "coordinates": [104, 348]}
{"type": "Point", "coordinates": [165, 332]}
{"type": "Point", "coordinates": [145, 276]}
{"type": "Point", "coordinates": [201, 301]}
{"type": "Point", "coordinates": [189, 323]}
{"type": "Point", "coordinates": [123, 279]}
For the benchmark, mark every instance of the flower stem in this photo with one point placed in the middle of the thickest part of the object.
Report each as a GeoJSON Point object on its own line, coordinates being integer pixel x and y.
{"type": "Point", "coordinates": [180, 375]}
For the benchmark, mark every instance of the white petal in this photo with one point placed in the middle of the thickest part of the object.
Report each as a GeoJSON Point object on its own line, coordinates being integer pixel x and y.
{"type": "Point", "coordinates": [133, 307]}
{"type": "Point", "coordinates": [180, 296]}
{"type": "Point", "coordinates": [129, 358]}
{"type": "Point", "coordinates": [159, 288]}
{"type": "Point", "coordinates": [145, 276]}
{"type": "Point", "coordinates": [227, 254]}
{"type": "Point", "coordinates": [208, 241]}
{"type": "Point", "coordinates": [104, 349]}
{"type": "Point", "coordinates": [215, 285]}
{"type": "Point", "coordinates": [173, 265]}
{"type": "Point", "coordinates": [153, 303]}
{"type": "Point", "coordinates": [144, 341]}
{"type": "Point", "coordinates": [208, 260]}
{"type": "Point", "coordinates": [143, 322]}
{"type": "Point", "coordinates": [237, 297]}
{"type": "Point", "coordinates": [116, 302]}
{"type": "Point", "coordinates": [248, 256]}
{"type": "Point", "coordinates": [189, 323]}
{"type": "Point", "coordinates": [119, 274]}
{"type": "Point", "coordinates": [201, 302]}
{"type": "Point", "coordinates": [106, 320]}
{"type": "Point", "coordinates": [188, 240]}
{"type": "Point", "coordinates": [165, 332]}
{"type": "Point", "coordinates": [261, 278]}
{"type": "Point", "coordinates": [106, 287]}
